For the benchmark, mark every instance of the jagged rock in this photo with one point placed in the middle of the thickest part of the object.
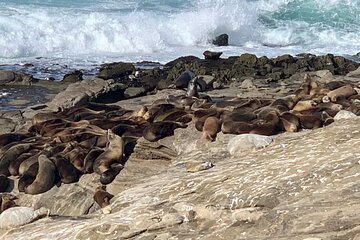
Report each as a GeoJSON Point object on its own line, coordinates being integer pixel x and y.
{"type": "Point", "coordinates": [212, 55]}
{"type": "Point", "coordinates": [73, 77]}
{"type": "Point", "coordinates": [245, 142]}
{"type": "Point", "coordinates": [11, 77]}
{"type": "Point", "coordinates": [343, 114]}
{"type": "Point", "coordinates": [221, 40]}
{"type": "Point", "coordinates": [115, 70]}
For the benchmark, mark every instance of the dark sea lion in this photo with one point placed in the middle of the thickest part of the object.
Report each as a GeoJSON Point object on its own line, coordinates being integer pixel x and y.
{"type": "Point", "coordinates": [289, 122]}
{"type": "Point", "coordinates": [192, 88]}
{"type": "Point", "coordinates": [28, 176]}
{"type": "Point", "coordinates": [288, 102]}
{"type": "Point", "coordinates": [156, 110]}
{"type": "Point", "coordinates": [45, 178]}
{"type": "Point", "coordinates": [76, 157]}
{"type": "Point", "coordinates": [13, 137]}
{"type": "Point", "coordinates": [201, 121]}
{"type": "Point", "coordinates": [312, 121]}
{"type": "Point", "coordinates": [232, 127]}
{"type": "Point", "coordinates": [4, 183]}
{"type": "Point", "coordinates": [12, 153]}
{"type": "Point", "coordinates": [42, 117]}
{"type": "Point", "coordinates": [212, 126]}
{"type": "Point", "coordinates": [120, 129]}
{"type": "Point", "coordinates": [334, 85]}
{"type": "Point", "coordinates": [251, 103]}
{"type": "Point", "coordinates": [7, 202]}
{"type": "Point", "coordinates": [109, 175]}
{"type": "Point", "coordinates": [240, 115]}
{"type": "Point", "coordinates": [268, 125]}
{"type": "Point", "coordinates": [102, 197]}
{"type": "Point", "coordinates": [90, 158]}
{"type": "Point", "coordinates": [113, 153]}
{"type": "Point", "coordinates": [341, 93]}
{"type": "Point", "coordinates": [183, 80]}
{"type": "Point", "coordinates": [158, 130]}
{"type": "Point", "coordinates": [15, 163]}
{"type": "Point", "coordinates": [67, 172]}
{"type": "Point", "coordinates": [212, 55]}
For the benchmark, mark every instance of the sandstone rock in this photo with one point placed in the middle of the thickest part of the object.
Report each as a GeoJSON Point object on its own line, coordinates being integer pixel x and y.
{"type": "Point", "coordinates": [212, 55]}
{"type": "Point", "coordinates": [355, 73]}
{"type": "Point", "coordinates": [246, 142]}
{"type": "Point", "coordinates": [221, 40]}
{"type": "Point", "coordinates": [73, 77]}
{"type": "Point", "coordinates": [115, 70]}
{"type": "Point", "coordinates": [343, 114]}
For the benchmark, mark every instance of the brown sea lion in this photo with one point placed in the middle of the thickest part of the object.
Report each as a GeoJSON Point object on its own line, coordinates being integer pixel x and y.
{"type": "Point", "coordinates": [113, 153]}
{"type": "Point", "coordinates": [15, 163]}
{"type": "Point", "coordinates": [90, 158]}
{"type": "Point", "coordinates": [109, 175]}
{"type": "Point", "coordinates": [212, 126]}
{"type": "Point", "coordinates": [268, 125]}
{"type": "Point", "coordinates": [304, 105]}
{"type": "Point", "coordinates": [76, 157]}
{"type": "Point", "coordinates": [13, 137]}
{"type": "Point", "coordinates": [45, 178]}
{"type": "Point", "coordinates": [28, 176]}
{"type": "Point", "coordinates": [158, 130]}
{"type": "Point", "coordinates": [4, 183]}
{"type": "Point", "coordinates": [341, 93]}
{"type": "Point", "coordinates": [245, 114]}
{"type": "Point", "coordinates": [42, 117]}
{"type": "Point", "coordinates": [12, 153]}
{"type": "Point", "coordinates": [102, 197]}
{"type": "Point", "coordinates": [67, 172]}
{"type": "Point", "coordinates": [7, 202]}
{"type": "Point", "coordinates": [312, 121]}
{"type": "Point", "coordinates": [156, 110]}
{"type": "Point", "coordinates": [192, 88]}
{"type": "Point", "coordinates": [232, 127]}
{"type": "Point", "coordinates": [289, 122]}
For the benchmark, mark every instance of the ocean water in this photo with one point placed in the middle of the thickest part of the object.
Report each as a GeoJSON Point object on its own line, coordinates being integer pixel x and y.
{"type": "Point", "coordinates": [55, 36]}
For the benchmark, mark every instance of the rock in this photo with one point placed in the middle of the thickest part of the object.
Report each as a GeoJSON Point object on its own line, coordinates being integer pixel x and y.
{"type": "Point", "coordinates": [324, 74]}
{"type": "Point", "coordinates": [209, 80]}
{"type": "Point", "coordinates": [248, 84]}
{"type": "Point", "coordinates": [18, 216]}
{"type": "Point", "coordinates": [183, 80]}
{"type": "Point", "coordinates": [246, 142]}
{"type": "Point", "coordinates": [212, 55]}
{"type": "Point", "coordinates": [7, 125]}
{"type": "Point", "coordinates": [73, 77]}
{"type": "Point", "coordinates": [11, 77]}
{"type": "Point", "coordinates": [355, 73]}
{"type": "Point", "coordinates": [343, 114]}
{"type": "Point", "coordinates": [221, 40]}
{"type": "Point", "coordinates": [132, 92]}
{"type": "Point", "coordinates": [197, 167]}
{"type": "Point", "coordinates": [116, 70]}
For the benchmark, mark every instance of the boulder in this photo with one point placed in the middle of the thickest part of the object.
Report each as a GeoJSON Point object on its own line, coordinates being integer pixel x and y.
{"type": "Point", "coordinates": [245, 142]}
{"type": "Point", "coordinates": [115, 70]}
{"type": "Point", "coordinates": [221, 40]}
{"type": "Point", "coordinates": [343, 114]}
{"type": "Point", "coordinates": [132, 92]}
{"type": "Point", "coordinates": [72, 77]}
{"type": "Point", "coordinates": [11, 77]}
{"type": "Point", "coordinates": [355, 73]}
{"type": "Point", "coordinates": [18, 216]}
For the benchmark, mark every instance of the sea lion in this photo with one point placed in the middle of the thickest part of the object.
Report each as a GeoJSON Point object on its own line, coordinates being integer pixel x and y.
{"type": "Point", "coordinates": [289, 122]}
{"type": "Point", "coordinates": [342, 92]}
{"type": "Point", "coordinates": [4, 183]}
{"type": "Point", "coordinates": [28, 177]}
{"type": "Point", "coordinates": [102, 197]}
{"type": "Point", "coordinates": [192, 88]}
{"type": "Point", "coordinates": [12, 153]}
{"type": "Point", "coordinates": [42, 117]}
{"type": "Point", "coordinates": [304, 105]}
{"type": "Point", "coordinates": [212, 55]}
{"type": "Point", "coordinates": [312, 121]}
{"type": "Point", "coordinates": [15, 163]}
{"type": "Point", "coordinates": [268, 125]}
{"type": "Point", "coordinates": [90, 158]}
{"type": "Point", "coordinates": [246, 114]}
{"type": "Point", "coordinates": [7, 202]}
{"type": "Point", "coordinates": [156, 110]}
{"type": "Point", "coordinates": [113, 153]}
{"type": "Point", "coordinates": [67, 172]}
{"type": "Point", "coordinates": [212, 126]}
{"type": "Point", "coordinates": [13, 137]}
{"type": "Point", "coordinates": [109, 175]}
{"type": "Point", "coordinates": [45, 177]}
{"type": "Point", "coordinates": [76, 157]}
{"type": "Point", "coordinates": [232, 127]}
{"type": "Point", "coordinates": [183, 80]}
{"type": "Point", "coordinates": [158, 130]}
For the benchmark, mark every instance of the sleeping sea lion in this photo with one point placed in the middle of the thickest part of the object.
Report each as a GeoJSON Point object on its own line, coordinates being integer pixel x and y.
{"type": "Point", "coordinates": [212, 126]}
{"type": "Point", "coordinates": [158, 130]}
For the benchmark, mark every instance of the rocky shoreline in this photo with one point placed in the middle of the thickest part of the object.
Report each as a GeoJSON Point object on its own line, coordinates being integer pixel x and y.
{"type": "Point", "coordinates": [301, 186]}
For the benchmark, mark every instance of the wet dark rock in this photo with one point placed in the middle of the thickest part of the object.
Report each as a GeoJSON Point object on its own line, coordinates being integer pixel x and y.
{"type": "Point", "coordinates": [116, 70]}
{"type": "Point", "coordinates": [11, 77]}
{"type": "Point", "coordinates": [221, 40]}
{"type": "Point", "coordinates": [75, 76]}
{"type": "Point", "coordinates": [212, 55]}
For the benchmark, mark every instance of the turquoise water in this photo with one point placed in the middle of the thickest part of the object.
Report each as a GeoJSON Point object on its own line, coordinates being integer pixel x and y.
{"type": "Point", "coordinates": [84, 33]}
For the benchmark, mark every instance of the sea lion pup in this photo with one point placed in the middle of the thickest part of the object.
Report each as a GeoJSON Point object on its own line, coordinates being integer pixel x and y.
{"type": "Point", "coordinates": [4, 183]}
{"type": "Point", "coordinates": [212, 126]}
{"type": "Point", "coordinates": [13, 137]}
{"type": "Point", "coordinates": [289, 122]}
{"type": "Point", "coordinates": [183, 80]}
{"type": "Point", "coordinates": [192, 88]}
{"type": "Point", "coordinates": [67, 172]}
{"type": "Point", "coordinates": [7, 202]}
{"type": "Point", "coordinates": [90, 158]}
{"type": "Point", "coordinates": [109, 175]}
{"type": "Point", "coordinates": [113, 153]}
{"type": "Point", "coordinates": [12, 153]}
{"type": "Point", "coordinates": [45, 178]}
{"type": "Point", "coordinates": [341, 93]}
{"type": "Point", "coordinates": [158, 130]}
{"type": "Point", "coordinates": [102, 197]}
{"type": "Point", "coordinates": [268, 125]}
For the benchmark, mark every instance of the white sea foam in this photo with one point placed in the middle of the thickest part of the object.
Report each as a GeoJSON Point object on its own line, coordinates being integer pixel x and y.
{"type": "Point", "coordinates": [106, 30]}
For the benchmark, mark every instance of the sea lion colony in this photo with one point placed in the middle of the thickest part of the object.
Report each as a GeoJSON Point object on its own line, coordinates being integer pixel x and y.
{"type": "Point", "coordinates": [61, 146]}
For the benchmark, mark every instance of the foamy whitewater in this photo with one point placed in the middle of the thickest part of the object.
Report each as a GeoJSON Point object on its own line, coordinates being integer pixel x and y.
{"type": "Point", "coordinates": [84, 33]}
